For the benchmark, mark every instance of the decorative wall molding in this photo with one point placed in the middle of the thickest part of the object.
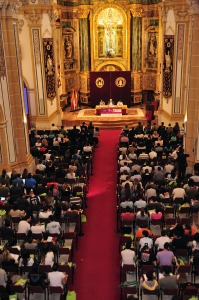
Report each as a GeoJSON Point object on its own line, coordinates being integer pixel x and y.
{"type": "Point", "coordinates": [34, 17]}
{"type": "Point", "coordinates": [9, 8]}
{"type": "Point", "coordinates": [44, 2]}
{"type": "Point", "coordinates": [50, 15]}
{"type": "Point", "coordinates": [82, 13]}
{"type": "Point", "coordinates": [194, 7]}
{"type": "Point", "coordinates": [137, 12]}
{"type": "Point", "coordinates": [179, 62]}
{"type": "Point", "coordinates": [36, 41]}
{"type": "Point", "coordinates": [39, 73]}
{"type": "Point", "coordinates": [150, 13]}
{"type": "Point", "coordinates": [20, 24]}
{"type": "Point", "coordinates": [180, 41]}
{"type": "Point", "coordinates": [69, 15]}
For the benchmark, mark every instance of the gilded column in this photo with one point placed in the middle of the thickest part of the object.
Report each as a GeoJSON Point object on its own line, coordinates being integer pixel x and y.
{"type": "Point", "coordinates": [14, 152]}
{"type": "Point", "coordinates": [84, 40]}
{"type": "Point", "coordinates": [136, 40]}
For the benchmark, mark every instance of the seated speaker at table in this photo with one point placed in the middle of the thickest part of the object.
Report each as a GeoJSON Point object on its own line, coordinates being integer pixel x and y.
{"type": "Point", "coordinates": [111, 103]}
{"type": "Point", "coordinates": [102, 103]}
{"type": "Point", "coordinates": [119, 103]}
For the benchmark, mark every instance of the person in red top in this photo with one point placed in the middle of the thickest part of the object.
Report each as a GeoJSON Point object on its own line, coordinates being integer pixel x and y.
{"type": "Point", "coordinates": [127, 216]}
{"type": "Point", "coordinates": [156, 215]}
{"type": "Point", "coordinates": [139, 233]}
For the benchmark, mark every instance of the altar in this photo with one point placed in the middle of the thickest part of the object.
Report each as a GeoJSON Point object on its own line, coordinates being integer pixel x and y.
{"type": "Point", "coordinates": [113, 110]}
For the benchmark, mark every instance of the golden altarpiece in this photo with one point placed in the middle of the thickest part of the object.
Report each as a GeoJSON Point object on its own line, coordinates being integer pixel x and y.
{"type": "Point", "coordinates": [111, 36]}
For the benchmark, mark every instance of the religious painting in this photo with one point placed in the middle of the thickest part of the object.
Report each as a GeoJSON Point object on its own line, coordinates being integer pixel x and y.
{"type": "Point", "coordinates": [168, 65]}
{"type": "Point", "coordinates": [49, 68]}
{"type": "Point", "coordinates": [150, 41]}
{"type": "Point", "coordinates": [152, 50]}
{"type": "Point", "coordinates": [110, 33]}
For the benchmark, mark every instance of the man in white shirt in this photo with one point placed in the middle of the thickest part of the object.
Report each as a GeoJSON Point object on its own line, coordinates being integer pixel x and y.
{"type": "Point", "coordinates": [136, 167]}
{"type": "Point", "coordinates": [147, 167]}
{"type": "Point", "coordinates": [45, 214]}
{"type": "Point", "coordinates": [146, 240]}
{"type": "Point", "coordinates": [178, 192]}
{"type": "Point", "coordinates": [128, 255]}
{"type": "Point", "coordinates": [87, 148]}
{"type": "Point", "coordinates": [168, 167]}
{"type": "Point", "coordinates": [53, 226]}
{"type": "Point", "coordinates": [136, 175]}
{"type": "Point", "coordinates": [37, 228]}
{"type": "Point", "coordinates": [195, 178]}
{"type": "Point", "coordinates": [41, 166]}
{"type": "Point", "coordinates": [150, 192]}
{"type": "Point", "coordinates": [24, 226]}
{"type": "Point", "coordinates": [152, 154]}
{"type": "Point", "coordinates": [125, 168]}
{"type": "Point", "coordinates": [57, 278]}
{"type": "Point", "coordinates": [53, 127]}
{"type": "Point", "coordinates": [127, 181]}
{"type": "Point", "coordinates": [140, 203]}
{"type": "Point", "coordinates": [160, 241]}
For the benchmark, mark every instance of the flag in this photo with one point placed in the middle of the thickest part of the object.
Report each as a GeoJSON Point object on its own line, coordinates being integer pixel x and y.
{"type": "Point", "coordinates": [72, 100]}
{"type": "Point", "coordinates": [76, 98]}
{"type": "Point", "coordinates": [58, 76]}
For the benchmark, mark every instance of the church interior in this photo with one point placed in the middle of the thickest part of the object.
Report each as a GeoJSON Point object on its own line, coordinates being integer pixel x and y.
{"type": "Point", "coordinates": [66, 62]}
{"type": "Point", "coordinates": [50, 48]}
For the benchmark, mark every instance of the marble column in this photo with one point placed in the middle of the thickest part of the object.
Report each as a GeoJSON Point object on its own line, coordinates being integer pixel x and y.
{"type": "Point", "coordinates": [136, 41]}
{"type": "Point", "coordinates": [84, 41]}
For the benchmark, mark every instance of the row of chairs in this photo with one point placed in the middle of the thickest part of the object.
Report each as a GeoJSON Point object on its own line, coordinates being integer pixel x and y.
{"type": "Point", "coordinates": [133, 287]}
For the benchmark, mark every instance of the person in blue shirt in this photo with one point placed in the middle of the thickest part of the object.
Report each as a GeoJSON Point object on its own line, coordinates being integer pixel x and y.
{"type": "Point", "coordinates": [30, 182]}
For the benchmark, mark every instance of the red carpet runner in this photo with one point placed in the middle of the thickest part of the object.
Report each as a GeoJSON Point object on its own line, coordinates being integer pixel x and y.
{"type": "Point", "coordinates": [97, 257]}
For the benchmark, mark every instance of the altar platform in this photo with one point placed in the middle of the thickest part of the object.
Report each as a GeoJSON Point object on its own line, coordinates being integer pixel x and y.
{"type": "Point", "coordinates": [106, 121]}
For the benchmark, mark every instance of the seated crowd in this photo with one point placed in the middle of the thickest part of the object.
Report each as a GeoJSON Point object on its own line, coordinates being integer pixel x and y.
{"type": "Point", "coordinates": [158, 204]}
{"type": "Point", "coordinates": [41, 212]}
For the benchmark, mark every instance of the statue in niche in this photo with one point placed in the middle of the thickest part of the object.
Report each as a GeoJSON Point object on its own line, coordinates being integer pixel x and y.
{"type": "Point", "coordinates": [68, 46]}
{"type": "Point", "coordinates": [152, 45]}
{"type": "Point", "coordinates": [152, 51]}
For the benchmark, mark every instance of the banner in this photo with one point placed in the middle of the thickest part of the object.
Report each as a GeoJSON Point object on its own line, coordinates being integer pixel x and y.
{"type": "Point", "coordinates": [168, 65]}
{"type": "Point", "coordinates": [110, 85]}
{"type": "Point", "coordinates": [49, 68]}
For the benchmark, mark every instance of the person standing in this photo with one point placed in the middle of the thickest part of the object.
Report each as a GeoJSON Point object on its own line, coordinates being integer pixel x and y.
{"type": "Point", "coordinates": [182, 162]}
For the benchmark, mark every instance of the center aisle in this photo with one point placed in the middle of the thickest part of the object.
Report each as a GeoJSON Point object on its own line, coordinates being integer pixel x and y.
{"type": "Point", "coordinates": [97, 257]}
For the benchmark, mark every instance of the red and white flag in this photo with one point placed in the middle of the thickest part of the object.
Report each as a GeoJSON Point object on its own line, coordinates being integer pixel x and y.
{"type": "Point", "coordinates": [58, 76]}
{"type": "Point", "coordinates": [76, 98]}
{"type": "Point", "coordinates": [72, 100]}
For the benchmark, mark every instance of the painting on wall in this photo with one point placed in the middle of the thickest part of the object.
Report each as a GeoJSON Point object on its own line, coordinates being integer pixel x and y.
{"type": "Point", "coordinates": [150, 44]}
{"type": "Point", "coordinates": [110, 33]}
